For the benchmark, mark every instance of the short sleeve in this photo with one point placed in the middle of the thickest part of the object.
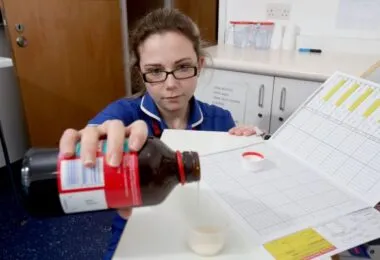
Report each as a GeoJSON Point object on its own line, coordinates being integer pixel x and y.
{"type": "Point", "coordinates": [123, 110]}
{"type": "Point", "coordinates": [230, 123]}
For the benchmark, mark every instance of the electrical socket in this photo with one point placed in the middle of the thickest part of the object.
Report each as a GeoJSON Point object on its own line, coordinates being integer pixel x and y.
{"type": "Point", "coordinates": [278, 11]}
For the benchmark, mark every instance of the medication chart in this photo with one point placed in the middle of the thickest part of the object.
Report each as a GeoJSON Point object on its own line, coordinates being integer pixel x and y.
{"type": "Point", "coordinates": [338, 131]}
{"type": "Point", "coordinates": [321, 167]}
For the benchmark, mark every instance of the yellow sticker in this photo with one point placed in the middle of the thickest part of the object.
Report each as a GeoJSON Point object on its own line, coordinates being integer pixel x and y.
{"type": "Point", "coordinates": [302, 245]}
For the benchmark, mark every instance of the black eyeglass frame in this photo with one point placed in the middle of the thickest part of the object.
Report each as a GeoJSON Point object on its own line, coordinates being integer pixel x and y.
{"type": "Point", "coordinates": [195, 68]}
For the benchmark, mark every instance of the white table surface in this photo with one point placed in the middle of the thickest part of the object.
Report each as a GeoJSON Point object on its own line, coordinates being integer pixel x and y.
{"type": "Point", "coordinates": [160, 232]}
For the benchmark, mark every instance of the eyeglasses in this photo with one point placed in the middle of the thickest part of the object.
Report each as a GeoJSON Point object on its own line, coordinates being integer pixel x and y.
{"type": "Point", "coordinates": [160, 75]}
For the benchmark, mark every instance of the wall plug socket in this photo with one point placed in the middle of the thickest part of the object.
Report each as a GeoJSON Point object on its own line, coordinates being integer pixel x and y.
{"type": "Point", "coordinates": [278, 11]}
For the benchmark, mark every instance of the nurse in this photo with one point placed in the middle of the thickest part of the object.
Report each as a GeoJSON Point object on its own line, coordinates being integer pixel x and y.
{"type": "Point", "coordinates": [167, 61]}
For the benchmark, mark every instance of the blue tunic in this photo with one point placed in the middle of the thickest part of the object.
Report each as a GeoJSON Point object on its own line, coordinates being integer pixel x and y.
{"type": "Point", "coordinates": [202, 116]}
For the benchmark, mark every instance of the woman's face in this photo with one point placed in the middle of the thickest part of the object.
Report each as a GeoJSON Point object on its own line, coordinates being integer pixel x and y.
{"type": "Point", "coordinates": [169, 51]}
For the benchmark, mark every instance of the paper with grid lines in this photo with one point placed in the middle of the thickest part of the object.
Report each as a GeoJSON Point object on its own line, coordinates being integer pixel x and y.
{"type": "Point", "coordinates": [323, 164]}
{"type": "Point", "coordinates": [284, 197]}
{"type": "Point", "coordinates": [338, 132]}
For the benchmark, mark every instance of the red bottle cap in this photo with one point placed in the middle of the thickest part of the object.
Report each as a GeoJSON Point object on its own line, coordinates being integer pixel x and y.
{"type": "Point", "coordinates": [181, 168]}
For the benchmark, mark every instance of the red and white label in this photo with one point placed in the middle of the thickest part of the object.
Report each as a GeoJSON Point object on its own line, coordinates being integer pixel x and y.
{"type": "Point", "coordinates": [101, 187]}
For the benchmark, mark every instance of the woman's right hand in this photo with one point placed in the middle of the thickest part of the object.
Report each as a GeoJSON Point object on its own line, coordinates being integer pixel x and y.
{"type": "Point", "coordinates": [116, 132]}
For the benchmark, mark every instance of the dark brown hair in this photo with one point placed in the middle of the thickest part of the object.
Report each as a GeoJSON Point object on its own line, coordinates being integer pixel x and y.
{"type": "Point", "coordinates": [160, 21]}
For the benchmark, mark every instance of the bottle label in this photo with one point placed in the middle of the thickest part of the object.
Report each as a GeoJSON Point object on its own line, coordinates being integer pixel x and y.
{"type": "Point", "coordinates": [101, 187]}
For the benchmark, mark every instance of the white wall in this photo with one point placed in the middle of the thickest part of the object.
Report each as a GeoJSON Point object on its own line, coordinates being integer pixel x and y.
{"type": "Point", "coordinates": [316, 19]}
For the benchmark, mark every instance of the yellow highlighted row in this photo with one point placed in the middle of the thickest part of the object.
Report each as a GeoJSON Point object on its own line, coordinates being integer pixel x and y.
{"type": "Point", "coordinates": [334, 90]}
{"type": "Point", "coordinates": [372, 108]}
{"type": "Point", "coordinates": [346, 95]}
{"type": "Point", "coordinates": [360, 100]}
{"type": "Point", "coordinates": [368, 112]}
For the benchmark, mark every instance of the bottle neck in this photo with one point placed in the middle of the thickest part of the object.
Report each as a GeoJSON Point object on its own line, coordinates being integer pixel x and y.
{"type": "Point", "coordinates": [188, 167]}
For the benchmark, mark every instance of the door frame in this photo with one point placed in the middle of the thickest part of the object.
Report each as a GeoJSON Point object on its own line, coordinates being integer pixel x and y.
{"type": "Point", "coordinates": [222, 21]}
{"type": "Point", "coordinates": [125, 39]}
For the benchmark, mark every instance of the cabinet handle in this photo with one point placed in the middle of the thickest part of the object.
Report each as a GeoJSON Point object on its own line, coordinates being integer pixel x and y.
{"type": "Point", "coordinates": [261, 96]}
{"type": "Point", "coordinates": [282, 99]}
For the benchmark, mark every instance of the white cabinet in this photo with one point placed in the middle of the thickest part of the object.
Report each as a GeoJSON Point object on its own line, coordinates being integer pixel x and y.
{"type": "Point", "coordinates": [247, 96]}
{"type": "Point", "coordinates": [252, 99]}
{"type": "Point", "coordinates": [288, 95]}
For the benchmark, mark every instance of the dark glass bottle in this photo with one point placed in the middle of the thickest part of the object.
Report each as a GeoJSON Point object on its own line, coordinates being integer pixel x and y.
{"type": "Point", "coordinates": [53, 186]}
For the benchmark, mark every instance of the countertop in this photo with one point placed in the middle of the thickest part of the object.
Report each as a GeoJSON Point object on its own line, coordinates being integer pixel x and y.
{"type": "Point", "coordinates": [290, 64]}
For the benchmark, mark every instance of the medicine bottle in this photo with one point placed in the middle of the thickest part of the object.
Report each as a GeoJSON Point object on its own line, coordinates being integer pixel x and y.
{"type": "Point", "coordinates": [53, 186]}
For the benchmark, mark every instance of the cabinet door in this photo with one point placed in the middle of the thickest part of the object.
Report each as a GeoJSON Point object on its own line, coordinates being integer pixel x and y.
{"type": "Point", "coordinates": [288, 95]}
{"type": "Point", "coordinates": [247, 96]}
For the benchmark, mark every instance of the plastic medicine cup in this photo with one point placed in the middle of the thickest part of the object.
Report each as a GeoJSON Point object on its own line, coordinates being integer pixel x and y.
{"type": "Point", "coordinates": [253, 161]}
{"type": "Point", "coordinates": [207, 240]}
{"type": "Point", "coordinates": [208, 225]}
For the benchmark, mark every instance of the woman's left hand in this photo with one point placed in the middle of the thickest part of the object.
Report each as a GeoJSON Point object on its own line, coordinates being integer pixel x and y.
{"type": "Point", "coordinates": [245, 131]}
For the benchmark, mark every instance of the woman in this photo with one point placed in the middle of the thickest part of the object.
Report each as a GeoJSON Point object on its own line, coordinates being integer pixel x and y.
{"type": "Point", "coordinates": [167, 59]}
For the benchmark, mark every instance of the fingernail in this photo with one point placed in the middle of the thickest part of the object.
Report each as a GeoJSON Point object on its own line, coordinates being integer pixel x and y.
{"type": "Point", "coordinates": [65, 155]}
{"type": "Point", "coordinates": [132, 145]}
{"type": "Point", "coordinates": [88, 161]}
{"type": "Point", "coordinates": [113, 160]}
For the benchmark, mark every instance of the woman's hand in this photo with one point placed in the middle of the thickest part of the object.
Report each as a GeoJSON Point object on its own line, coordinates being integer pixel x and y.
{"type": "Point", "coordinates": [116, 133]}
{"type": "Point", "coordinates": [245, 131]}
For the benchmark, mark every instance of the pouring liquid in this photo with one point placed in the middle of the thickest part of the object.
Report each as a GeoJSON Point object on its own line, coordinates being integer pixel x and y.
{"type": "Point", "coordinates": [205, 238]}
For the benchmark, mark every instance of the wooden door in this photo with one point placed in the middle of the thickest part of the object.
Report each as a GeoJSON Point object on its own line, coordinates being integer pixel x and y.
{"type": "Point", "coordinates": [139, 8]}
{"type": "Point", "coordinates": [205, 15]}
{"type": "Point", "coordinates": [72, 66]}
